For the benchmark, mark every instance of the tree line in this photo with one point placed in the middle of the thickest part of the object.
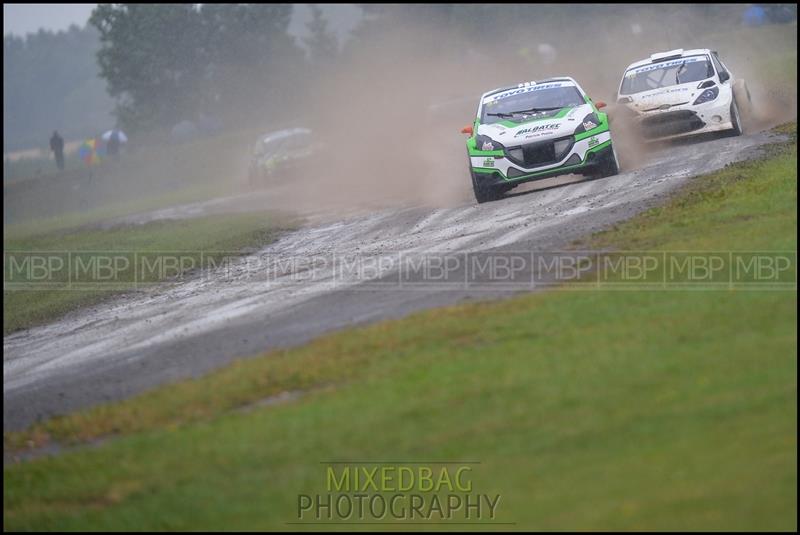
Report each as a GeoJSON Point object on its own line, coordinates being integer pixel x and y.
{"type": "Point", "coordinates": [50, 81]}
{"type": "Point", "coordinates": [171, 62]}
{"type": "Point", "coordinates": [238, 63]}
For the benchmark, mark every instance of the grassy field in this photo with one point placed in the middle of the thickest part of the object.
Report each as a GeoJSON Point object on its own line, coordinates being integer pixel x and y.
{"type": "Point", "coordinates": [229, 233]}
{"type": "Point", "coordinates": [81, 219]}
{"type": "Point", "coordinates": [600, 409]}
{"type": "Point", "coordinates": [33, 166]}
{"type": "Point", "coordinates": [146, 178]}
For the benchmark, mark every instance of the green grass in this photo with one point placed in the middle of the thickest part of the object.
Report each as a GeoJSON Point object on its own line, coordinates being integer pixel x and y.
{"type": "Point", "coordinates": [708, 216]}
{"type": "Point", "coordinates": [35, 166]}
{"type": "Point", "coordinates": [110, 210]}
{"type": "Point", "coordinates": [587, 410]}
{"type": "Point", "coordinates": [228, 233]}
{"type": "Point", "coordinates": [147, 178]}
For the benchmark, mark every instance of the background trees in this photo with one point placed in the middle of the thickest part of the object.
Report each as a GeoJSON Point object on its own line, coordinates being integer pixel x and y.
{"type": "Point", "coordinates": [238, 64]}
{"type": "Point", "coordinates": [173, 62]}
{"type": "Point", "coordinates": [323, 47]}
{"type": "Point", "coordinates": [50, 82]}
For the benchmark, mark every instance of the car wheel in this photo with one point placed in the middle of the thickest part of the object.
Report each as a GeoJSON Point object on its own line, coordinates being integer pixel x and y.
{"type": "Point", "coordinates": [744, 102]}
{"type": "Point", "coordinates": [610, 165]}
{"type": "Point", "coordinates": [484, 193]}
{"type": "Point", "coordinates": [736, 119]}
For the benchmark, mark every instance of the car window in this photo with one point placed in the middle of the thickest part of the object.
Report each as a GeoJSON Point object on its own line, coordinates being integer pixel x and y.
{"type": "Point", "coordinates": [668, 73]}
{"type": "Point", "coordinates": [295, 142]}
{"type": "Point", "coordinates": [300, 141]}
{"type": "Point", "coordinates": [548, 99]}
{"type": "Point", "coordinates": [280, 145]}
{"type": "Point", "coordinates": [718, 64]}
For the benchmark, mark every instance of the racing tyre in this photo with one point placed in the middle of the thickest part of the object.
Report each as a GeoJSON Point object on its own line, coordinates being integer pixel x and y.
{"type": "Point", "coordinates": [736, 119]}
{"type": "Point", "coordinates": [610, 165]}
{"type": "Point", "coordinates": [744, 102]}
{"type": "Point", "coordinates": [484, 193]}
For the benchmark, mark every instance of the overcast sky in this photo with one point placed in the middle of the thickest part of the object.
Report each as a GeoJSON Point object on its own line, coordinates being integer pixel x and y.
{"type": "Point", "coordinates": [20, 19]}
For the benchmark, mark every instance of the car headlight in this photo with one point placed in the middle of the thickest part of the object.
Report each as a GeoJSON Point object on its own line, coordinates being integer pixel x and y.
{"type": "Point", "coordinates": [708, 95]}
{"type": "Point", "coordinates": [589, 122]}
{"type": "Point", "coordinates": [486, 143]}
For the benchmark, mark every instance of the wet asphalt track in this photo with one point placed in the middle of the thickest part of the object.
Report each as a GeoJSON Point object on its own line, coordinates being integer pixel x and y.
{"type": "Point", "coordinates": [185, 329]}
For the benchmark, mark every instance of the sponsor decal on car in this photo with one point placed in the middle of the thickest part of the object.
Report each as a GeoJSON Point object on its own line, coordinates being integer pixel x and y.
{"type": "Point", "coordinates": [537, 129]}
{"type": "Point", "coordinates": [520, 90]}
{"type": "Point", "coordinates": [664, 65]}
{"type": "Point", "coordinates": [488, 162]}
{"type": "Point", "coordinates": [593, 141]}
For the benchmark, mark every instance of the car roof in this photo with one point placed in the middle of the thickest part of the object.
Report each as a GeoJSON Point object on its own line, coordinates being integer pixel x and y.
{"type": "Point", "coordinates": [670, 54]}
{"type": "Point", "coordinates": [280, 134]}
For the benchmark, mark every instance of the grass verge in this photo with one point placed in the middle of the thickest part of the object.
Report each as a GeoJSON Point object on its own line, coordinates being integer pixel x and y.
{"type": "Point", "coordinates": [80, 220]}
{"type": "Point", "coordinates": [602, 409]}
{"type": "Point", "coordinates": [230, 233]}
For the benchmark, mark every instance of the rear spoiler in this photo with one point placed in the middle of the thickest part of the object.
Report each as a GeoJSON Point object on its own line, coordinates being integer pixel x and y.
{"type": "Point", "coordinates": [663, 56]}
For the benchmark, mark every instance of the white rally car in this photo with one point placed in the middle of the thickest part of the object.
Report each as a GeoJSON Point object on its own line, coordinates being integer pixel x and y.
{"type": "Point", "coordinates": [682, 92]}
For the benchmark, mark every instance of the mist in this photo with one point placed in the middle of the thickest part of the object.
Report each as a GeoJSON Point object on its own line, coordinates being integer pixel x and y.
{"type": "Point", "coordinates": [388, 107]}
{"type": "Point", "coordinates": [391, 112]}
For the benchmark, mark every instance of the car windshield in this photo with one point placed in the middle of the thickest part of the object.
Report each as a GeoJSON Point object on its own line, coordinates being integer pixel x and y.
{"type": "Point", "coordinates": [273, 144]}
{"type": "Point", "coordinates": [541, 102]}
{"type": "Point", "coordinates": [668, 73]}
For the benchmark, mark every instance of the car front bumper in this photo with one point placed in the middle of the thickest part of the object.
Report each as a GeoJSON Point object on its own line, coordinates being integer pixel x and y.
{"type": "Point", "coordinates": [687, 120]}
{"type": "Point", "coordinates": [583, 157]}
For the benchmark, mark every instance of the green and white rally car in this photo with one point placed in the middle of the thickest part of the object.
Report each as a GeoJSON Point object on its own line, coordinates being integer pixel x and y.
{"type": "Point", "coordinates": [537, 130]}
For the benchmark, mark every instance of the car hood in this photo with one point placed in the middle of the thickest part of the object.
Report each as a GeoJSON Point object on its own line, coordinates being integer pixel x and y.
{"type": "Point", "coordinates": [511, 133]}
{"type": "Point", "coordinates": [665, 97]}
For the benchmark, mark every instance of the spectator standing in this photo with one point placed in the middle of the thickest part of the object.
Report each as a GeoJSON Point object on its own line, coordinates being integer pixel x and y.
{"type": "Point", "coordinates": [57, 146]}
{"type": "Point", "coordinates": [112, 148]}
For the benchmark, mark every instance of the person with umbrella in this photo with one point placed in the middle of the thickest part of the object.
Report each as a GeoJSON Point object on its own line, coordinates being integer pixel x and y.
{"type": "Point", "coordinates": [114, 139]}
{"type": "Point", "coordinates": [57, 146]}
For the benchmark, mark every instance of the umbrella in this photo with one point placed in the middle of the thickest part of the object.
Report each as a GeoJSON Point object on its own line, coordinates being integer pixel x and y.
{"type": "Point", "coordinates": [91, 151]}
{"type": "Point", "coordinates": [122, 137]}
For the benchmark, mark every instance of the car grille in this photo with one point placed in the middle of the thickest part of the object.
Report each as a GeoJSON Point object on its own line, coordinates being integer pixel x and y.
{"type": "Point", "coordinates": [536, 154]}
{"type": "Point", "coordinates": [671, 123]}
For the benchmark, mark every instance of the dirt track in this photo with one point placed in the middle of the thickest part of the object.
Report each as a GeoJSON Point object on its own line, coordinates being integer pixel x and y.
{"type": "Point", "coordinates": [185, 329]}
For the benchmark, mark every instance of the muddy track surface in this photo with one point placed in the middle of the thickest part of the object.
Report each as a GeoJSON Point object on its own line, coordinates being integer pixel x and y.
{"type": "Point", "coordinates": [184, 329]}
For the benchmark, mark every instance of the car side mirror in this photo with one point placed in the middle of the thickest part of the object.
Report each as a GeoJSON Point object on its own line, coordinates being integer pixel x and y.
{"type": "Point", "coordinates": [599, 104]}
{"type": "Point", "coordinates": [724, 76]}
{"type": "Point", "coordinates": [467, 130]}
